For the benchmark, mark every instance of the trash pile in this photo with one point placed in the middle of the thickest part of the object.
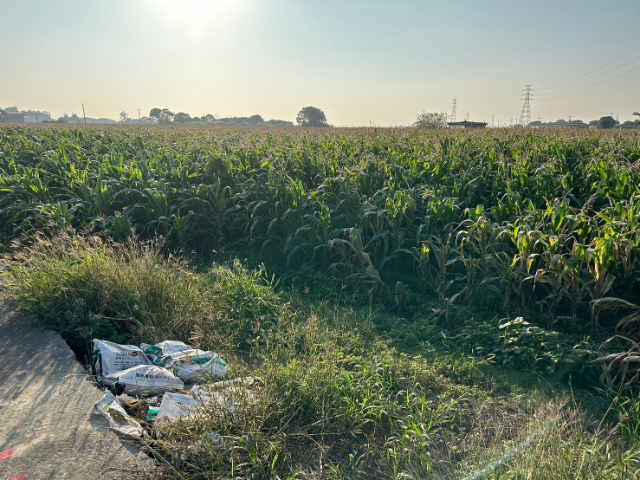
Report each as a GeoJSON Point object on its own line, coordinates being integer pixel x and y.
{"type": "Point", "coordinates": [159, 374]}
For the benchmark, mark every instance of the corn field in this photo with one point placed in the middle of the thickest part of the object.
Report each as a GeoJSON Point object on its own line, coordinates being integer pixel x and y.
{"type": "Point", "coordinates": [543, 223]}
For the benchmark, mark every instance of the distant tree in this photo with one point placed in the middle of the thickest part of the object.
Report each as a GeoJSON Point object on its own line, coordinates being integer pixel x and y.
{"type": "Point", "coordinates": [256, 120]}
{"type": "Point", "coordinates": [629, 124]}
{"type": "Point", "coordinates": [278, 123]}
{"type": "Point", "coordinates": [163, 115]}
{"type": "Point", "coordinates": [182, 117]}
{"type": "Point", "coordinates": [63, 119]}
{"type": "Point", "coordinates": [124, 116]}
{"type": "Point", "coordinates": [209, 118]}
{"type": "Point", "coordinates": [3, 115]}
{"type": "Point", "coordinates": [607, 122]}
{"type": "Point", "coordinates": [311, 117]}
{"type": "Point", "coordinates": [638, 114]}
{"type": "Point", "coordinates": [431, 120]}
{"type": "Point", "coordinates": [594, 123]}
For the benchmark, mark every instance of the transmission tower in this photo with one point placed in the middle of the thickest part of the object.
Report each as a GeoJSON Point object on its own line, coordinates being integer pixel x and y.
{"type": "Point", "coordinates": [454, 105]}
{"type": "Point", "coordinates": [525, 115]}
{"type": "Point", "coordinates": [492, 117]}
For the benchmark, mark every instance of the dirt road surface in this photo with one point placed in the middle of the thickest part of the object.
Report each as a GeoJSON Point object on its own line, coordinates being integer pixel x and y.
{"type": "Point", "coordinates": [48, 427]}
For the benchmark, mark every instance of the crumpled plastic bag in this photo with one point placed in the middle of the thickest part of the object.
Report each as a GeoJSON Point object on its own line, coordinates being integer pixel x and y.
{"type": "Point", "coordinates": [195, 365]}
{"type": "Point", "coordinates": [190, 364]}
{"type": "Point", "coordinates": [119, 420]}
{"type": "Point", "coordinates": [147, 380]}
{"type": "Point", "coordinates": [112, 358]}
{"type": "Point", "coordinates": [164, 353]}
{"type": "Point", "coordinates": [175, 406]}
{"type": "Point", "coordinates": [223, 399]}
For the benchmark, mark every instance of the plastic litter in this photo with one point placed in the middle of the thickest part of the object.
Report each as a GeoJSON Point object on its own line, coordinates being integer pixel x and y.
{"type": "Point", "coordinates": [152, 414]}
{"type": "Point", "coordinates": [147, 380]}
{"type": "Point", "coordinates": [162, 369]}
{"type": "Point", "coordinates": [112, 358]}
{"type": "Point", "coordinates": [176, 406]}
{"type": "Point", "coordinates": [195, 365]}
{"type": "Point", "coordinates": [164, 353]}
{"type": "Point", "coordinates": [119, 420]}
{"type": "Point", "coordinates": [190, 364]}
{"type": "Point", "coordinates": [228, 398]}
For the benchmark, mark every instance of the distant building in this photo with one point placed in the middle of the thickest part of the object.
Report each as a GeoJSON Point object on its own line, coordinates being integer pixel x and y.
{"type": "Point", "coordinates": [17, 117]}
{"type": "Point", "coordinates": [26, 116]}
{"type": "Point", "coordinates": [37, 116]}
{"type": "Point", "coordinates": [467, 124]}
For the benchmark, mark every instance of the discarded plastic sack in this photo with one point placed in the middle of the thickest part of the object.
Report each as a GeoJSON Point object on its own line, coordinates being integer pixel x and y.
{"type": "Point", "coordinates": [175, 406]}
{"type": "Point", "coordinates": [112, 358]}
{"type": "Point", "coordinates": [246, 381]}
{"type": "Point", "coordinates": [119, 420]}
{"type": "Point", "coordinates": [195, 365]}
{"type": "Point", "coordinates": [164, 353]}
{"type": "Point", "coordinates": [147, 380]}
{"type": "Point", "coordinates": [227, 399]}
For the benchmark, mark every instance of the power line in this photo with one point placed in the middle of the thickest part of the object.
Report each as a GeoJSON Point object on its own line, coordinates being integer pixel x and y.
{"type": "Point", "coordinates": [591, 72]}
{"type": "Point", "coordinates": [573, 95]}
{"type": "Point", "coordinates": [495, 100]}
{"type": "Point", "coordinates": [573, 85]}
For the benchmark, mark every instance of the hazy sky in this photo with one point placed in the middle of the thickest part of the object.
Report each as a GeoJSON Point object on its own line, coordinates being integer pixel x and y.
{"type": "Point", "coordinates": [360, 61]}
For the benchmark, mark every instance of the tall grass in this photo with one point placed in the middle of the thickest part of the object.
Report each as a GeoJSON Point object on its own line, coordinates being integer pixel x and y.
{"type": "Point", "coordinates": [85, 287]}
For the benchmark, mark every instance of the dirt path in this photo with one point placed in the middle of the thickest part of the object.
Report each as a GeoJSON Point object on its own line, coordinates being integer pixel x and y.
{"type": "Point", "coordinates": [47, 426]}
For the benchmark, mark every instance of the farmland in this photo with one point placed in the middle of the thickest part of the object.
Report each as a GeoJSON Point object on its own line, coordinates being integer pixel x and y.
{"type": "Point", "coordinates": [401, 289]}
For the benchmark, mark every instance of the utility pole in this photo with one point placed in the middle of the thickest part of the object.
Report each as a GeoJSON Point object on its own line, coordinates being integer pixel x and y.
{"type": "Point", "coordinates": [467, 116]}
{"type": "Point", "coordinates": [454, 106]}
{"type": "Point", "coordinates": [138, 115]}
{"type": "Point", "coordinates": [83, 115]}
{"type": "Point", "coordinates": [525, 115]}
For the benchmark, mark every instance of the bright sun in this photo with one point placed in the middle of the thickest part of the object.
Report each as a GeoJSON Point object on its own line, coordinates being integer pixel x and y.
{"type": "Point", "coordinates": [196, 14]}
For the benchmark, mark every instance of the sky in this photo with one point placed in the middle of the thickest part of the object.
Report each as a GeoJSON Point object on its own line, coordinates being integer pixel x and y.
{"type": "Point", "coordinates": [362, 62]}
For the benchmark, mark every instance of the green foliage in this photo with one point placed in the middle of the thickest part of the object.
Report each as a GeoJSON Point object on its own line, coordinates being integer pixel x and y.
{"type": "Point", "coordinates": [335, 399]}
{"type": "Point", "coordinates": [517, 343]}
{"type": "Point", "coordinates": [507, 223]}
{"type": "Point", "coordinates": [311, 117]}
{"type": "Point", "coordinates": [431, 120]}
{"type": "Point", "coordinates": [607, 122]}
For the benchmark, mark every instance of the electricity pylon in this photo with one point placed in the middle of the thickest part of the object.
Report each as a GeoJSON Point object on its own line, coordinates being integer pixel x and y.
{"type": "Point", "coordinates": [525, 115]}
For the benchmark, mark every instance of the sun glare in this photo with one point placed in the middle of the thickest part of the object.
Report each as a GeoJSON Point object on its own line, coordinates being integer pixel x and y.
{"type": "Point", "coordinates": [196, 14]}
